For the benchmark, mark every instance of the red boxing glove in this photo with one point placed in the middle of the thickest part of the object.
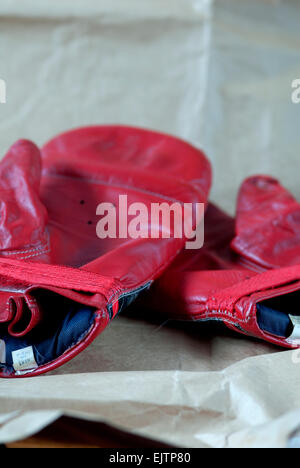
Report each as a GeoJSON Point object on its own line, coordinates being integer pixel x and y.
{"type": "Point", "coordinates": [60, 285]}
{"type": "Point", "coordinates": [247, 275]}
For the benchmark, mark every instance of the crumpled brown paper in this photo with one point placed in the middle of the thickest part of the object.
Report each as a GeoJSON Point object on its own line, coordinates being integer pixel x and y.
{"type": "Point", "coordinates": [219, 76]}
{"type": "Point", "coordinates": [186, 385]}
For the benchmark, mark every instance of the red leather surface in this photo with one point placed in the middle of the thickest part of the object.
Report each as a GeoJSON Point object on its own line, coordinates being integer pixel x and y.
{"type": "Point", "coordinates": [240, 264]}
{"type": "Point", "coordinates": [268, 224]}
{"type": "Point", "coordinates": [48, 219]}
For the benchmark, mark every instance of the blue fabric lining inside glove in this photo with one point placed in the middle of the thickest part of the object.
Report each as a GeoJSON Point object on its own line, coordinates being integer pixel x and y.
{"type": "Point", "coordinates": [274, 321]}
{"type": "Point", "coordinates": [273, 314]}
{"type": "Point", "coordinates": [65, 323]}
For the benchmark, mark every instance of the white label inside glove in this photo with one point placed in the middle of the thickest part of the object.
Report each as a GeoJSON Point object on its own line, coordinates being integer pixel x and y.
{"type": "Point", "coordinates": [296, 333]}
{"type": "Point", "coordinates": [2, 352]}
{"type": "Point", "coordinates": [24, 359]}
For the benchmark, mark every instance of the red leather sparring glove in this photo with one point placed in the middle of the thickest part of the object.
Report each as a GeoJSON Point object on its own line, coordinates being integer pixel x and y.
{"type": "Point", "coordinates": [247, 274]}
{"type": "Point", "coordinates": [60, 285]}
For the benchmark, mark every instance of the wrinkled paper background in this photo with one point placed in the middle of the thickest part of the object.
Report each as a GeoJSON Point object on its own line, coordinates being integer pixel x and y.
{"type": "Point", "coordinates": [218, 75]}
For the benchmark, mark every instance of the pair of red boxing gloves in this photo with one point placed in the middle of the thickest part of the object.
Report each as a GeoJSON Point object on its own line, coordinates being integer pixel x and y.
{"type": "Point", "coordinates": [60, 285]}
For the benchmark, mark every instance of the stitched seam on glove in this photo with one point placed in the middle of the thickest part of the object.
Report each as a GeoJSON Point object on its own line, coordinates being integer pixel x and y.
{"type": "Point", "coordinates": [61, 277]}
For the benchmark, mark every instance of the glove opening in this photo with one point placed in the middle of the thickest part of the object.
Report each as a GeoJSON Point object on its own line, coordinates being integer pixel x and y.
{"type": "Point", "coordinates": [278, 316]}
{"type": "Point", "coordinates": [65, 323]}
